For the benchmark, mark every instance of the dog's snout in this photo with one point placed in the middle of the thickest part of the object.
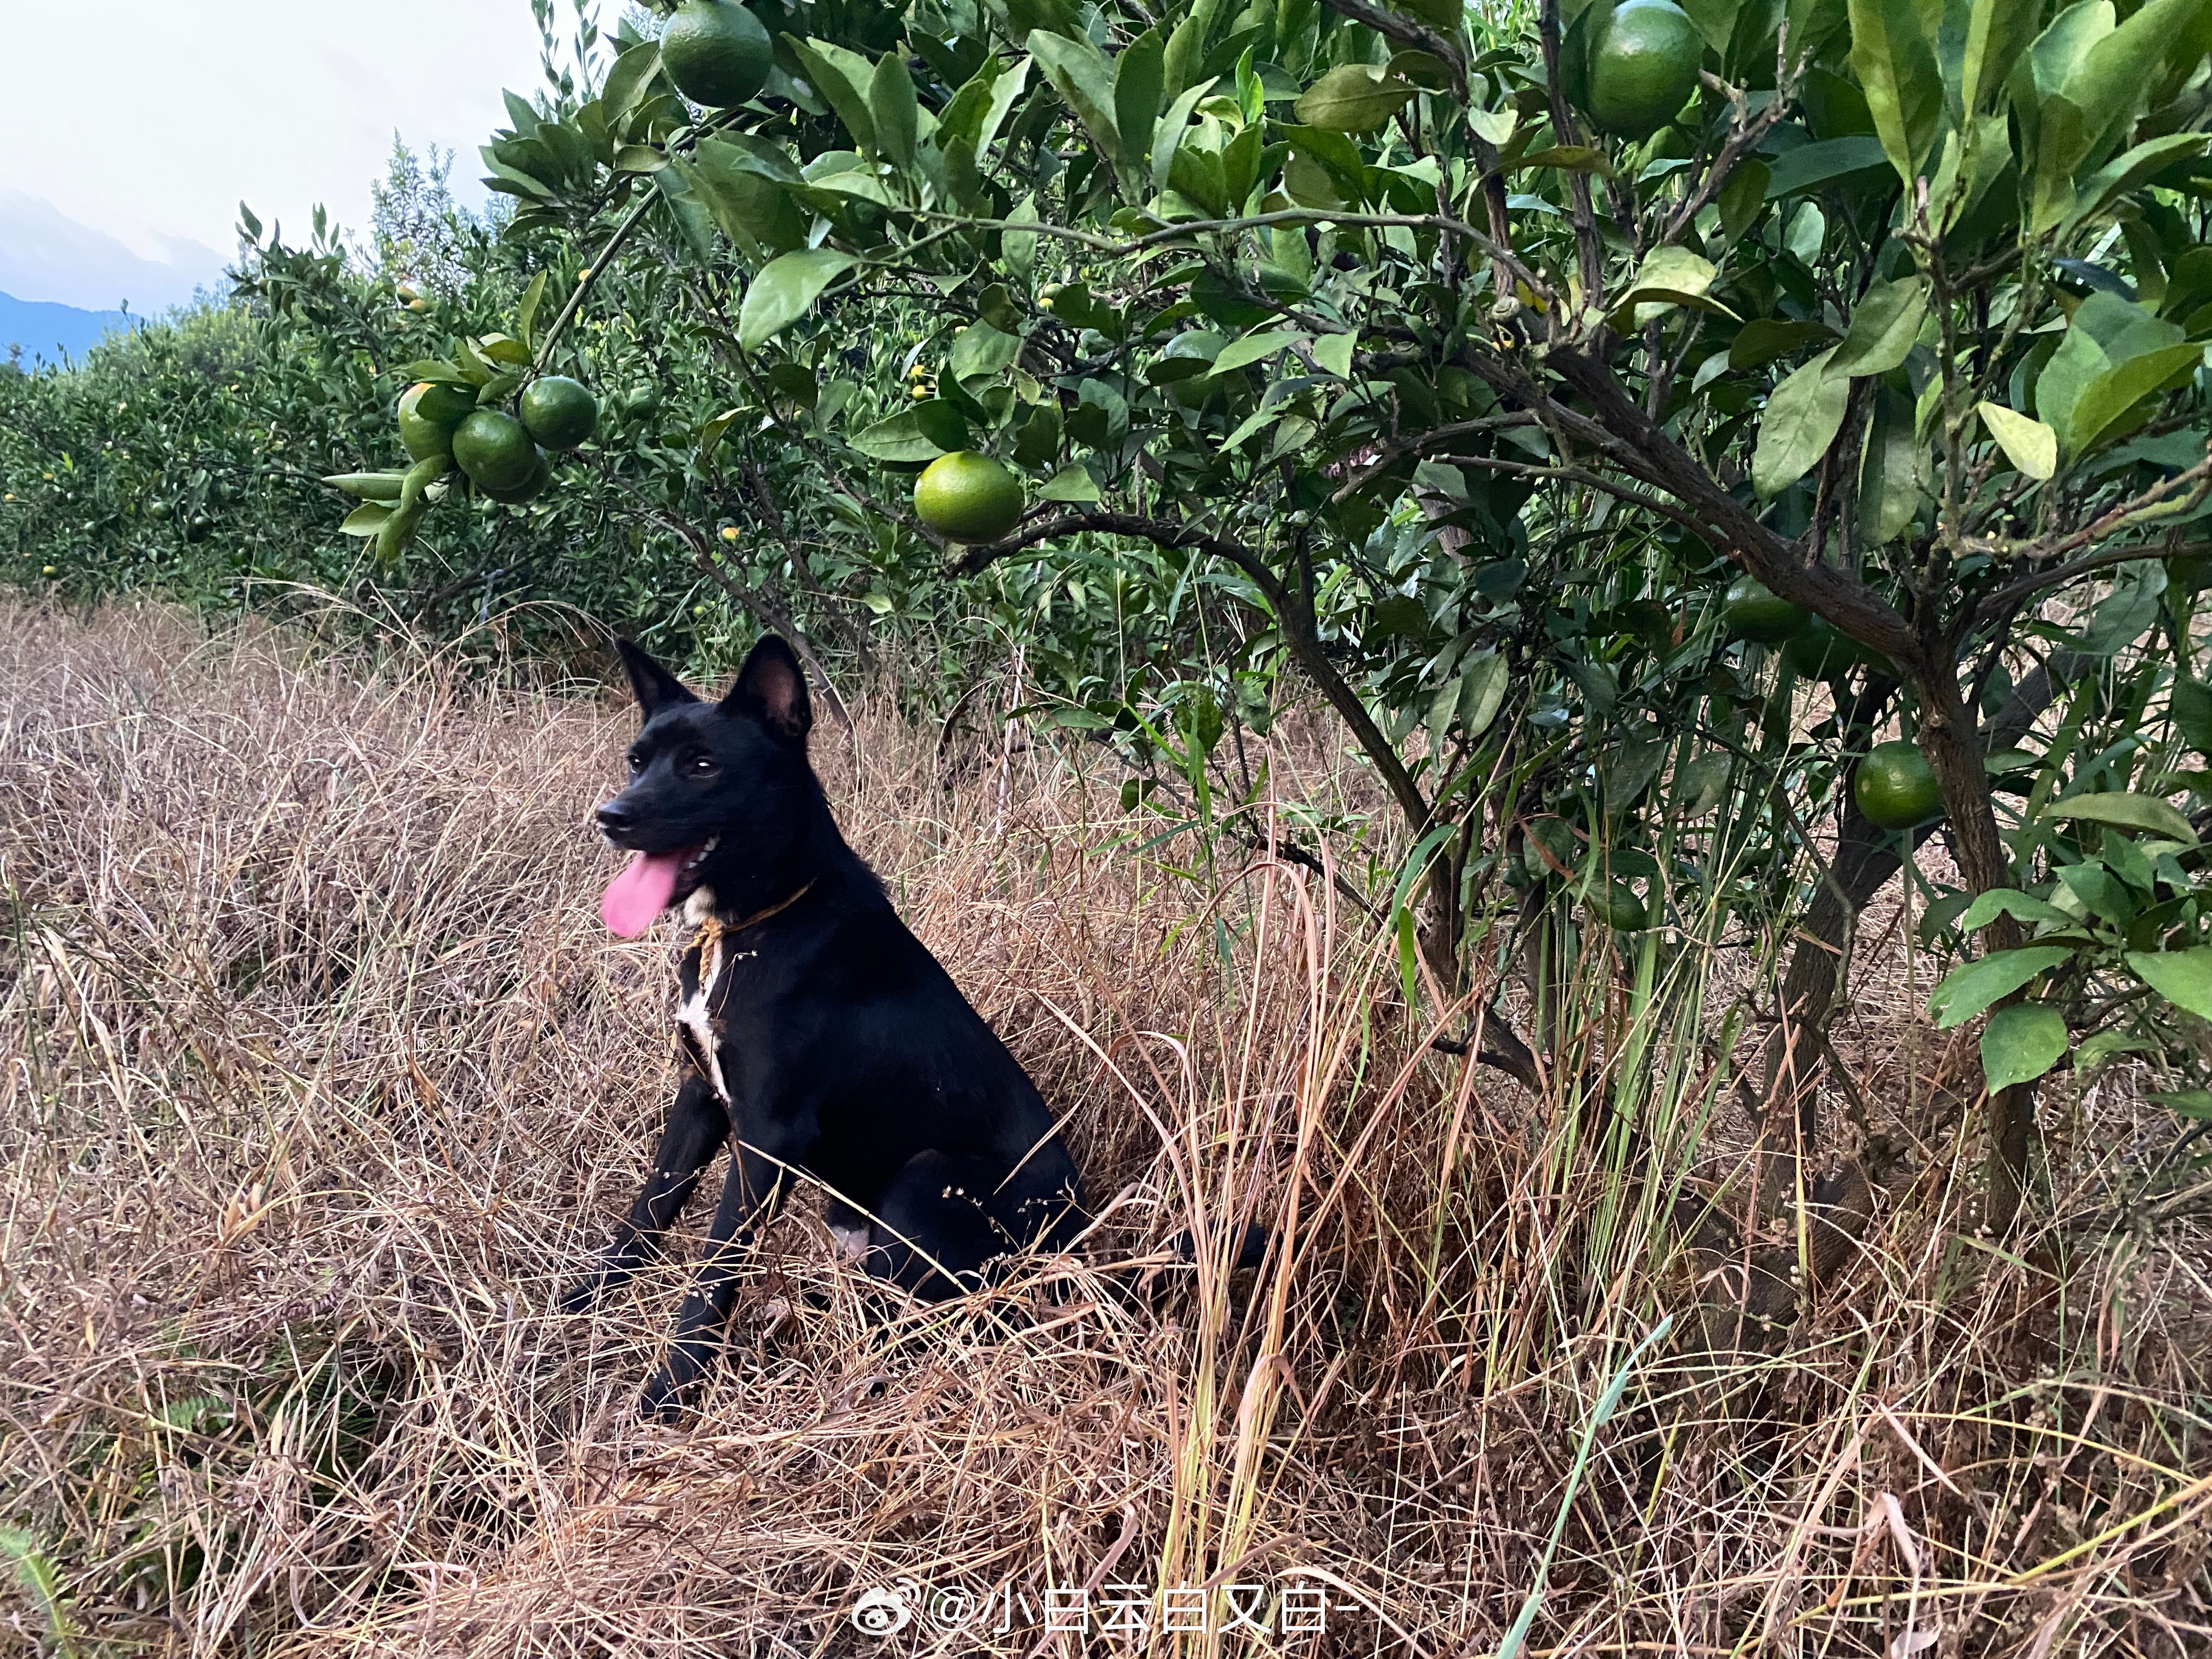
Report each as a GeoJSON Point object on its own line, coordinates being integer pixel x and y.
{"type": "Point", "coordinates": [614, 817]}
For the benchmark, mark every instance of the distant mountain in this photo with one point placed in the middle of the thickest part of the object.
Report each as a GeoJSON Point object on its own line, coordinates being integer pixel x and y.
{"type": "Point", "coordinates": [46, 256]}
{"type": "Point", "coordinates": [47, 329]}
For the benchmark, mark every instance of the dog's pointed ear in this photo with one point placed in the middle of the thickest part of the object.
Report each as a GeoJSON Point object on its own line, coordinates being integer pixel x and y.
{"type": "Point", "coordinates": [655, 687]}
{"type": "Point", "coordinates": [772, 688]}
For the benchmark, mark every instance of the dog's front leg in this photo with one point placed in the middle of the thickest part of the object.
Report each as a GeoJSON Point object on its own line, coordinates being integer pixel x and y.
{"type": "Point", "coordinates": [750, 1198]}
{"type": "Point", "coordinates": [698, 1124]}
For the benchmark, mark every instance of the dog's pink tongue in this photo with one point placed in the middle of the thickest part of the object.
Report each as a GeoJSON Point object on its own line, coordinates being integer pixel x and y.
{"type": "Point", "coordinates": [641, 893]}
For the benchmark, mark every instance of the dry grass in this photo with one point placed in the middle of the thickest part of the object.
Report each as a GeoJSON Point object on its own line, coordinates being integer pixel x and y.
{"type": "Point", "coordinates": [321, 1075]}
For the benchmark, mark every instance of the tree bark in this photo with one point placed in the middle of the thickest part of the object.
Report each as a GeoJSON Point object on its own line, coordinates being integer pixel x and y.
{"type": "Point", "coordinates": [1951, 738]}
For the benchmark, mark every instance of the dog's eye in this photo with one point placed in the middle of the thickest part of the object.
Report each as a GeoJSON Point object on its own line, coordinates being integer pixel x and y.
{"type": "Point", "coordinates": [636, 761]}
{"type": "Point", "coordinates": [702, 765]}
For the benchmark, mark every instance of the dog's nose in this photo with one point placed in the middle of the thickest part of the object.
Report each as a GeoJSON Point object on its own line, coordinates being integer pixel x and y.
{"type": "Point", "coordinates": [614, 817]}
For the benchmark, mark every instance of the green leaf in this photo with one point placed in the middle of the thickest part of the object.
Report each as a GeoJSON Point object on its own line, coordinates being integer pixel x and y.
{"type": "Point", "coordinates": [2009, 902]}
{"type": "Point", "coordinates": [1351, 98]}
{"type": "Point", "coordinates": [2117, 73]}
{"type": "Point", "coordinates": [1332, 354]}
{"type": "Point", "coordinates": [419, 478]}
{"type": "Point", "coordinates": [1810, 166]}
{"type": "Point", "coordinates": [1020, 246]}
{"type": "Point", "coordinates": [2184, 978]}
{"type": "Point", "coordinates": [2104, 1045]}
{"type": "Point", "coordinates": [1715, 20]}
{"type": "Point", "coordinates": [1670, 276]}
{"type": "Point", "coordinates": [1764, 339]}
{"type": "Point", "coordinates": [2030, 446]}
{"type": "Point", "coordinates": [2191, 705]}
{"type": "Point", "coordinates": [1004, 91]}
{"type": "Point", "coordinates": [2187, 1103]}
{"type": "Point", "coordinates": [368, 486]}
{"type": "Point", "coordinates": [750, 206]}
{"type": "Point", "coordinates": [1885, 325]}
{"type": "Point", "coordinates": [1171, 130]}
{"type": "Point", "coordinates": [1803, 417]}
{"type": "Point", "coordinates": [2121, 388]}
{"type": "Point", "coordinates": [432, 369]}
{"type": "Point", "coordinates": [2079, 360]}
{"type": "Point", "coordinates": [2021, 1043]}
{"type": "Point", "coordinates": [1139, 74]}
{"type": "Point", "coordinates": [1969, 988]}
{"type": "Point", "coordinates": [844, 79]}
{"type": "Point", "coordinates": [365, 519]}
{"type": "Point", "coordinates": [2126, 811]}
{"type": "Point", "coordinates": [711, 435]}
{"type": "Point", "coordinates": [980, 352]}
{"type": "Point", "coordinates": [20, 1548]}
{"type": "Point", "coordinates": [1485, 680]}
{"type": "Point", "coordinates": [526, 314]}
{"type": "Point", "coordinates": [1889, 492]}
{"type": "Point", "coordinates": [1083, 78]}
{"type": "Point", "coordinates": [1071, 483]}
{"type": "Point", "coordinates": [2061, 142]}
{"type": "Point", "coordinates": [895, 110]}
{"type": "Point", "coordinates": [785, 290]}
{"type": "Point", "coordinates": [1495, 126]}
{"type": "Point", "coordinates": [900, 439]}
{"type": "Point", "coordinates": [626, 81]}
{"type": "Point", "coordinates": [2130, 172]}
{"type": "Point", "coordinates": [1903, 89]}
{"type": "Point", "coordinates": [2098, 891]}
{"type": "Point", "coordinates": [1255, 348]}
{"type": "Point", "coordinates": [1997, 32]}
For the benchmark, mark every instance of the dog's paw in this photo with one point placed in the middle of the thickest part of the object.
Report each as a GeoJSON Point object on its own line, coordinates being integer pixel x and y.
{"type": "Point", "coordinates": [679, 1373]}
{"type": "Point", "coordinates": [663, 1398]}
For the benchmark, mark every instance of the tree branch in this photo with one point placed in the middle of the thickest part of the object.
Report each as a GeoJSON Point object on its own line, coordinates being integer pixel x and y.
{"type": "Point", "coordinates": [1405, 31]}
{"type": "Point", "coordinates": [1296, 620]}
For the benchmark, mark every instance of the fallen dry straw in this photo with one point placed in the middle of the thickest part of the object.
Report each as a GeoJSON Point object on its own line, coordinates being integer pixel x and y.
{"type": "Point", "coordinates": [321, 1076]}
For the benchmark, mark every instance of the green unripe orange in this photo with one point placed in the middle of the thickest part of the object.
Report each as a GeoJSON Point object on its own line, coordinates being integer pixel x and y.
{"type": "Point", "coordinates": [717, 53]}
{"type": "Point", "coordinates": [495, 450]}
{"type": "Point", "coordinates": [1896, 788]}
{"type": "Point", "coordinates": [1614, 904]}
{"type": "Point", "coordinates": [560, 413]}
{"type": "Point", "coordinates": [429, 412]}
{"type": "Point", "coordinates": [1643, 66]}
{"type": "Point", "coordinates": [1753, 612]}
{"type": "Point", "coordinates": [540, 475]}
{"type": "Point", "coordinates": [1822, 651]}
{"type": "Point", "coordinates": [967, 497]}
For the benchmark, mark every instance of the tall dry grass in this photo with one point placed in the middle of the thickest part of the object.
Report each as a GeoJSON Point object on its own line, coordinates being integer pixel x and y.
{"type": "Point", "coordinates": [321, 1075]}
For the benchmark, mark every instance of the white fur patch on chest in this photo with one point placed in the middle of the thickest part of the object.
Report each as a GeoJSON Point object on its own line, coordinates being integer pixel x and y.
{"type": "Point", "coordinates": [695, 1013]}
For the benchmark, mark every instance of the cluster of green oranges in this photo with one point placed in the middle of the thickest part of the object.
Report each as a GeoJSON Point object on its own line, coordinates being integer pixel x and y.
{"type": "Point", "coordinates": [502, 455]}
{"type": "Point", "coordinates": [1895, 786]}
{"type": "Point", "coordinates": [443, 426]}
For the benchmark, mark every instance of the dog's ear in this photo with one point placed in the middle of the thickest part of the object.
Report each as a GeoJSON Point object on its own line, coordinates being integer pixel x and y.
{"type": "Point", "coordinates": [655, 687]}
{"type": "Point", "coordinates": [772, 688]}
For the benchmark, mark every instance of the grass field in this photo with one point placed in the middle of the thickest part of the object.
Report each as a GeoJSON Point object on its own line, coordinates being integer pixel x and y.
{"type": "Point", "coordinates": [321, 1075]}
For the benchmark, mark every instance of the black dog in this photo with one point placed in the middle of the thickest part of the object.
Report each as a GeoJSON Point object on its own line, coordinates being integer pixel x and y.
{"type": "Point", "coordinates": [819, 1033]}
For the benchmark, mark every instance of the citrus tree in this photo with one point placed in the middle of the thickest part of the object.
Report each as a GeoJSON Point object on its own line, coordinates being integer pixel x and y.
{"type": "Point", "coordinates": [1788, 417]}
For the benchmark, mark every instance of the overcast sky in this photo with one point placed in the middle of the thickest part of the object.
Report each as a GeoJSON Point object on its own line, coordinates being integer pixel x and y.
{"type": "Point", "coordinates": [131, 130]}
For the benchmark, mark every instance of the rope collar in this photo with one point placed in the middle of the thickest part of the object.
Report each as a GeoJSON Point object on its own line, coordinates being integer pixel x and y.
{"type": "Point", "coordinates": [713, 929]}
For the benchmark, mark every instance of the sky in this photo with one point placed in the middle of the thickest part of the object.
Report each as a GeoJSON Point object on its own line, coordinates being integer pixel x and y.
{"type": "Point", "coordinates": [133, 130]}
